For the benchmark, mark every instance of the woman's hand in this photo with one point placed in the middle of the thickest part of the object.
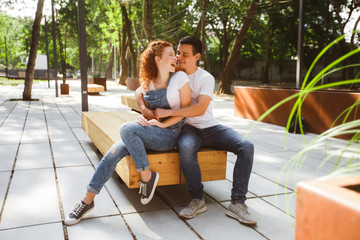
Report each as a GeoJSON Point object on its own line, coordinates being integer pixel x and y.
{"type": "Point", "coordinates": [142, 121]}
{"type": "Point", "coordinates": [154, 122]}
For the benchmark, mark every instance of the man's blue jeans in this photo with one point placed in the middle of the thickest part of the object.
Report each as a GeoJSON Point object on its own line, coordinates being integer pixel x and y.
{"type": "Point", "coordinates": [222, 138]}
{"type": "Point", "coordinates": [135, 139]}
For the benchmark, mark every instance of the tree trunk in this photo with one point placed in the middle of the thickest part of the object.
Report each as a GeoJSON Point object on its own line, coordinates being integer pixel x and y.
{"type": "Point", "coordinates": [62, 57]}
{"type": "Point", "coordinates": [110, 64]}
{"type": "Point", "coordinates": [203, 34]}
{"type": "Point", "coordinates": [169, 28]}
{"type": "Point", "coordinates": [134, 72]}
{"type": "Point", "coordinates": [147, 18]}
{"type": "Point", "coordinates": [226, 80]}
{"type": "Point", "coordinates": [270, 32]}
{"type": "Point", "coordinates": [226, 42]}
{"type": "Point", "coordinates": [33, 49]}
{"type": "Point", "coordinates": [123, 61]}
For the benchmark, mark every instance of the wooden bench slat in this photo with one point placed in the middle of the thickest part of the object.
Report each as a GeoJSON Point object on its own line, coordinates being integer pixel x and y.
{"type": "Point", "coordinates": [130, 101]}
{"type": "Point", "coordinates": [95, 88]}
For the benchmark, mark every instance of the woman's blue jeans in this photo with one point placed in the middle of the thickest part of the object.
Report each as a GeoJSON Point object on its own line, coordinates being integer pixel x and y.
{"type": "Point", "coordinates": [222, 138]}
{"type": "Point", "coordinates": [135, 139]}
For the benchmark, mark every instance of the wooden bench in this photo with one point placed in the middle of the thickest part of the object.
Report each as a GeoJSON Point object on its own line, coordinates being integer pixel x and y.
{"type": "Point", "coordinates": [95, 88]}
{"type": "Point", "coordinates": [98, 81]}
{"type": "Point", "coordinates": [130, 101]}
{"type": "Point", "coordinates": [103, 129]}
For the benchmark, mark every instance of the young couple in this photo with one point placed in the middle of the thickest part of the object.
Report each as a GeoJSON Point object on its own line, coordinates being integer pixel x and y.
{"type": "Point", "coordinates": [183, 99]}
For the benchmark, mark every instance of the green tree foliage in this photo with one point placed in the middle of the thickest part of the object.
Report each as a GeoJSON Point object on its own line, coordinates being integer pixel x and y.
{"type": "Point", "coordinates": [274, 24]}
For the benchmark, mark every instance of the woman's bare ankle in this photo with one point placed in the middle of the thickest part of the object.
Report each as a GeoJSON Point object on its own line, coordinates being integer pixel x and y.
{"type": "Point", "coordinates": [89, 197]}
{"type": "Point", "coordinates": [145, 176]}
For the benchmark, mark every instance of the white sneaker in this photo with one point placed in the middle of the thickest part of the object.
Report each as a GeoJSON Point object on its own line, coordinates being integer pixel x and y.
{"type": "Point", "coordinates": [80, 210]}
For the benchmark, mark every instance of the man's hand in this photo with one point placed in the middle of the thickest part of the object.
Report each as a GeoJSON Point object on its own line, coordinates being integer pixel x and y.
{"type": "Point", "coordinates": [161, 113]}
{"type": "Point", "coordinates": [148, 113]}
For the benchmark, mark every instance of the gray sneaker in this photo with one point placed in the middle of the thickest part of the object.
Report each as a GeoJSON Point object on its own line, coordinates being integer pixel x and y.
{"type": "Point", "coordinates": [195, 206]}
{"type": "Point", "coordinates": [240, 212]}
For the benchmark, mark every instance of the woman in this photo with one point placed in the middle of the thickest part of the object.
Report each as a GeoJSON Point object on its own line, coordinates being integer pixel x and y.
{"type": "Point", "coordinates": [161, 89]}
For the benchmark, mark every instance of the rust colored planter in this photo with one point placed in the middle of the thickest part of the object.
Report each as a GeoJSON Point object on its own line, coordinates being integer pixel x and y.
{"type": "Point", "coordinates": [64, 89]}
{"type": "Point", "coordinates": [320, 108]}
{"type": "Point", "coordinates": [328, 210]}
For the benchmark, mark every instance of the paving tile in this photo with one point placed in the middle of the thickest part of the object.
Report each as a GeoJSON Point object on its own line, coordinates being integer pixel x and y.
{"type": "Point", "coordinates": [229, 170]}
{"type": "Point", "coordinates": [214, 224]}
{"type": "Point", "coordinates": [109, 228]}
{"type": "Point", "coordinates": [8, 154]}
{"type": "Point", "coordinates": [220, 190]}
{"type": "Point", "coordinates": [74, 123]}
{"type": "Point", "coordinates": [56, 122]}
{"type": "Point", "coordinates": [16, 122]}
{"type": "Point", "coordinates": [35, 121]}
{"type": "Point", "coordinates": [231, 157]}
{"type": "Point", "coordinates": [285, 202]}
{"type": "Point", "coordinates": [4, 182]}
{"type": "Point", "coordinates": [69, 154]}
{"type": "Point", "coordinates": [35, 135]}
{"type": "Point", "coordinates": [92, 152]}
{"type": "Point", "coordinates": [263, 187]}
{"type": "Point", "coordinates": [53, 231]}
{"type": "Point", "coordinates": [10, 135]}
{"type": "Point", "coordinates": [80, 134]}
{"type": "Point", "coordinates": [33, 156]}
{"type": "Point", "coordinates": [309, 161]}
{"type": "Point", "coordinates": [128, 200]}
{"type": "Point", "coordinates": [163, 224]}
{"type": "Point", "coordinates": [32, 199]}
{"type": "Point", "coordinates": [272, 222]}
{"type": "Point", "coordinates": [61, 135]}
{"type": "Point", "coordinates": [72, 184]}
{"type": "Point", "coordinates": [177, 196]}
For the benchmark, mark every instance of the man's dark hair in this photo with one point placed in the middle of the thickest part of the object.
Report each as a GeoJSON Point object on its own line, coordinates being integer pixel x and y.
{"type": "Point", "coordinates": [194, 42]}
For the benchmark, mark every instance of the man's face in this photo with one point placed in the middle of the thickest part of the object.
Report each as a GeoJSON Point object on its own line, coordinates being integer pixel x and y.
{"type": "Point", "coordinates": [185, 58]}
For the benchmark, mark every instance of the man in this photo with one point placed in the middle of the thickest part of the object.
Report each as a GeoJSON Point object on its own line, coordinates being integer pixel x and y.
{"type": "Point", "coordinates": [203, 130]}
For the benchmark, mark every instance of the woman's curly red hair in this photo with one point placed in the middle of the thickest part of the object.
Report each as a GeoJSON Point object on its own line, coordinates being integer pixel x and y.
{"type": "Point", "coordinates": [148, 68]}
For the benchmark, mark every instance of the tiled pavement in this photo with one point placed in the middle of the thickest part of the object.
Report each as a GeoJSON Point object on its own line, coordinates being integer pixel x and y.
{"type": "Point", "coordinates": [47, 160]}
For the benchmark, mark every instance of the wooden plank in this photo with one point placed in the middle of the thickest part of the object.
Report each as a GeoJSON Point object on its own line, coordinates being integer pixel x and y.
{"type": "Point", "coordinates": [130, 101]}
{"type": "Point", "coordinates": [101, 129]}
{"type": "Point", "coordinates": [212, 164]}
{"type": "Point", "coordinates": [167, 164]}
{"type": "Point", "coordinates": [95, 88]}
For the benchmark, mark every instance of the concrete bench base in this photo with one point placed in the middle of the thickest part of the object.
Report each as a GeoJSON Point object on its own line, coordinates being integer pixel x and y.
{"type": "Point", "coordinates": [103, 129]}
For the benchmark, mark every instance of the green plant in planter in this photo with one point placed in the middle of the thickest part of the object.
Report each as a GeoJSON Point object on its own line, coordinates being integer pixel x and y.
{"type": "Point", "coordinates": [348, 165]}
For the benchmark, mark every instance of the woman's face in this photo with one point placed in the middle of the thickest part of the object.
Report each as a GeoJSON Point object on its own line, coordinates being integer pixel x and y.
{"type": "Point", "coordinates": [168, 60]}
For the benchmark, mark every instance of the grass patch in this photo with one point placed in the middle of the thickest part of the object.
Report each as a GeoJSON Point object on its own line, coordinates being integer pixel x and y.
{"type": "Point", "coordinates": [15, 82]}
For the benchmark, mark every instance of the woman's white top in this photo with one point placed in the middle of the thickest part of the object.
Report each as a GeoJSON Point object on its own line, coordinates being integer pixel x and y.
{"type": "Point", "coordinates": [177, 81]}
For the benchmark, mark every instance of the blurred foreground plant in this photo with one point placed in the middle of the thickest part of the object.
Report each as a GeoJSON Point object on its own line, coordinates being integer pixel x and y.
{"type": "Point", "coordinates": [351, 148]}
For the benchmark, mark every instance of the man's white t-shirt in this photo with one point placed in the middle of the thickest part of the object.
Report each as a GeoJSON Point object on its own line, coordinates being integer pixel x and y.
{"type": "Point", "coordinates": [202, 83]}
{"type": "Point", "coordinates": [177, 81]}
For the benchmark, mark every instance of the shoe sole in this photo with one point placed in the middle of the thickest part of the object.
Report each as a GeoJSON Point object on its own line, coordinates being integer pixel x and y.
{"type": "Point", "coordinates": [233, 215]}
{"type": "Point", "coordinates": [146, 201]}
{"type": "Point", "coordinates": [201, 210]}
{"type": "Point", "coordinates": [78, 220]}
